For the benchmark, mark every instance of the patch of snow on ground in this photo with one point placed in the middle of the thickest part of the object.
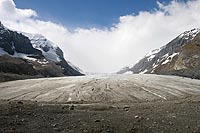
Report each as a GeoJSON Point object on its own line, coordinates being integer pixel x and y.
{"type": "Point", "coordinates": [163, 97]}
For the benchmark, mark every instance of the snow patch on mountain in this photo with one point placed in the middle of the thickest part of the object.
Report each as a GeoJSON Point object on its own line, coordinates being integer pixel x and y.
{"type": "Point", "coordinates": [23, 56]}
{"type": "Point", "coordinates": [17, 55]}
{"type": "Point", "coordinates": [190, 34]}
{"type": "Point", "coordinates": [143, 71]}
{"type": "Point", "coordinates": [153, 52]}
{"type": "Point", "coordinates": [47, 47]}
{"type": "Point", "coordinates": [151, 57]}
{"type": "Point", "coordinates": [169, 58]}
{"type": "Point", "coordinates": [44, 61]}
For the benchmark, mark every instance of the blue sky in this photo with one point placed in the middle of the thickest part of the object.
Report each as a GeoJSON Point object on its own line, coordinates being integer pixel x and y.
{"type": "Point", "coordinates": [87, 13]}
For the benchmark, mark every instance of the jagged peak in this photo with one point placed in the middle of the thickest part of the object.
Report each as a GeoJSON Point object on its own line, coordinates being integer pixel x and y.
{"type": "Point", "coordinates": [41, 38]}
{"type": "Point", "coordinates": [185, 35]}
{"type": "Point", "coordinates": [2, 27]}
{"type": "Point", "coordinates": [48, 48]}
{"type": "Point", "coordinates": [191, 34]}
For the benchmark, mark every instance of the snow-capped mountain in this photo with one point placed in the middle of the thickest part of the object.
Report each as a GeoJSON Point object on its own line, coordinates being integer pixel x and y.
{"type": "Point", "coordinates": [47, 47]}
{"type": "Point", "coordinates": [50, 50]}
{"type": "Point", "coordinates": [173, 58]}
{"type": "Point", "coordinates": [12, 43]}
{"type": "Point", "coordinates": [34, 51]}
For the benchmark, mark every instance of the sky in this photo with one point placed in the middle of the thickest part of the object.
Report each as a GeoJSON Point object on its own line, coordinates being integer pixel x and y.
{"type": "Point", "coordinates": [86, 13]}
{"type": "Point", "coordinates": [103, 36]}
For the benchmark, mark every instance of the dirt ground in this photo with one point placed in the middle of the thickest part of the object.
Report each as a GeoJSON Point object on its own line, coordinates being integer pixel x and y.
{"type": "Point", "coordinates": [182, 115]}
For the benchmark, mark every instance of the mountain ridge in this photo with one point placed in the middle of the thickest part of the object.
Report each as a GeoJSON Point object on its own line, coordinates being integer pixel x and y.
{"type": "Point", "coordinates": [41, 56]}
{"type": "Point", "coordinates": [167, 54]}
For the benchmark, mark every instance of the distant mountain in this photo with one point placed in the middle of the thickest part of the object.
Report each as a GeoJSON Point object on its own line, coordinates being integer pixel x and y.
{"type": "Point", "coordinates": [125, 70]}
{"type": "Point", "coordinates": [31, 55]}
{"type": "Point", "coordinates": [180, 57]}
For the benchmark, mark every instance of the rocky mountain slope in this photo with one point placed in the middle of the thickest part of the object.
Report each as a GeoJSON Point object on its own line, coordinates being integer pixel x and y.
{"type": "Point", "coordinates": [31, 55]}
{"type": "Point", "coordinates": [180, 57]}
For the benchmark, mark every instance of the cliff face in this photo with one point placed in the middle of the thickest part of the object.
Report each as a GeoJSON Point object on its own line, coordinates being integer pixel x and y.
{"type": "Point", "coordinates": [11, 42]}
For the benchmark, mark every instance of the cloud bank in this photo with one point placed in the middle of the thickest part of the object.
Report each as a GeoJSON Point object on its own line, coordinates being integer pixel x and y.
{"type": "Point", "coordinates": [109, 49]}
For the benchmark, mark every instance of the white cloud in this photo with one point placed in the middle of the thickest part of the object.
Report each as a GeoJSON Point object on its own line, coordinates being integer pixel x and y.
{"type": "Point", "coordinates": [10, 12]}
{"type": "Point", "coordinates": [109, 49]}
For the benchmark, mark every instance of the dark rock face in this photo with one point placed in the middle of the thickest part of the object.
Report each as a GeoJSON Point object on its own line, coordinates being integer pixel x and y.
{"type": "Point", "coordinates": [45, 48]}
{"type": "Point", "coordinates": [68, 70]}
{"type": "Point", "coordinates": [12, 41]}
{"type": "Point", "coordinates": [175, 58]}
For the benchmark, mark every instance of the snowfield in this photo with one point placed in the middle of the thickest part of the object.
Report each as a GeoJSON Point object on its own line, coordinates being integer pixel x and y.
{"type": "Point", "coordinates": [101, 88]}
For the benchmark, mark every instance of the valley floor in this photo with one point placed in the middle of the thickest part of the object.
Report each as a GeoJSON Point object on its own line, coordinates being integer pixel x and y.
{"type": "Point", "coordinates": [101, 104]}
{"type": "Point", "coordinates": [101, 88]}
{"type": "Point", "coordinates": [182, 115]}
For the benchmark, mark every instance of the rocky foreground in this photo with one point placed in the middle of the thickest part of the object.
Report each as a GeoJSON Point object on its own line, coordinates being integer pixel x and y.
{"type": "Point", "coordinates": [94, 104]}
